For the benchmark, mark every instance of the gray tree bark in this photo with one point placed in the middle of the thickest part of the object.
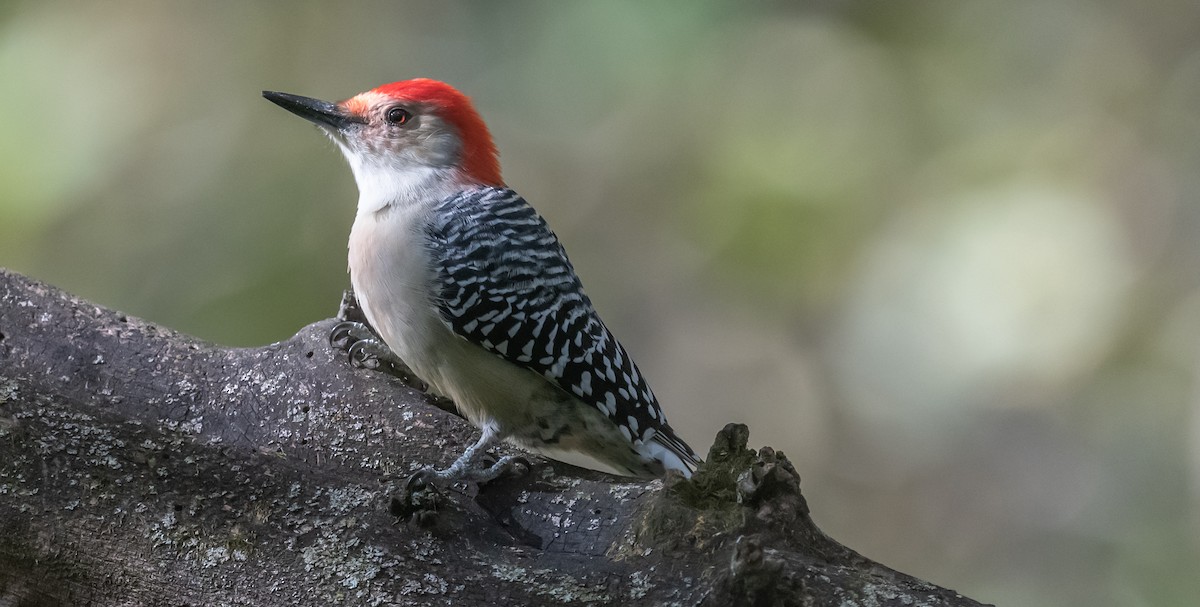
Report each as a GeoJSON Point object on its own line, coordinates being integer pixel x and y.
{"type": "Point", "coordinates": [139, 466]}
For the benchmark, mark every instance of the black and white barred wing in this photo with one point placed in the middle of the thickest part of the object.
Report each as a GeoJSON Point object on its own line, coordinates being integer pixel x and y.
{"type": "Point", "coordinates": [508, 286]}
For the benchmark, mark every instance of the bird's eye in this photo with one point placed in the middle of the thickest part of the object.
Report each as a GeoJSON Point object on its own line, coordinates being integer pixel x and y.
{"type": "Point", "coordinates": [397, 115]}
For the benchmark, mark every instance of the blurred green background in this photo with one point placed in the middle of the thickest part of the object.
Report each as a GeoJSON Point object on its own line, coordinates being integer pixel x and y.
{"type": "Point", "coordinates": [943, 254]}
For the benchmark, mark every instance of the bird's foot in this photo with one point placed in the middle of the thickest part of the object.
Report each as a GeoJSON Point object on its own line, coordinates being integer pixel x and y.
{"type": "Point", "coordinates": [367, 351]}
{"type": "Point", "coordinates": [359, 339]}
{"type": "Point", "coordinates": [364, 347]}
{"type": "Point", "coordinates": [421, 494]}
{"type": "Point", "coordinates": [514, 466]}
{"type": "Point", "coordinates": [373, 354]}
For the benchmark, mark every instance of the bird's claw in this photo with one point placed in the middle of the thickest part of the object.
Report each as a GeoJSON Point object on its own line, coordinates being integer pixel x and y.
{"type": "Point", "coordinates": [367, 351]}
{"type": "Point", "coordinates": [368, 354]}
{"type": "Point", "coordinates": [347, 333]}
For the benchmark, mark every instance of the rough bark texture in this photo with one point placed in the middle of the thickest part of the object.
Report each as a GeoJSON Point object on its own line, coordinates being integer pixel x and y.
{"type": "Point", "coordinates": [139, 466]}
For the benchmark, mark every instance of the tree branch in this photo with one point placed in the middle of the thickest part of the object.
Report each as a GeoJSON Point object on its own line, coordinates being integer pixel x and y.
{"type": "Point", "coordinates": [139, 466]}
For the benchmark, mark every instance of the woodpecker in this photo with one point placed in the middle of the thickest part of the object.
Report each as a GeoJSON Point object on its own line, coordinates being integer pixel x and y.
{"type": "Point", "coordinates": [465, 282]}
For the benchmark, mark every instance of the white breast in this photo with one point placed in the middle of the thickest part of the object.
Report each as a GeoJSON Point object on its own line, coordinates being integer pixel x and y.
{"type": "Point", "coordinates": [390, 272]}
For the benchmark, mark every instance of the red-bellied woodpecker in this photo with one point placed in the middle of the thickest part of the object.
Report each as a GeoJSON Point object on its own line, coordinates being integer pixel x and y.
{"type": "Point", "coordinates": [465, 282]}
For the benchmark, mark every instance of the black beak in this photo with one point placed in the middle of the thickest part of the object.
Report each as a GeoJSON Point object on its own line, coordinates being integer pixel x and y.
{"type": "Point", "coordinates": [321, 113]}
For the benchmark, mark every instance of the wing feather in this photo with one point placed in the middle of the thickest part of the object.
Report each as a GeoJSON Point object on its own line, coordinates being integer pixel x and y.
{"type": "Point", "coordinates": [508, 286]}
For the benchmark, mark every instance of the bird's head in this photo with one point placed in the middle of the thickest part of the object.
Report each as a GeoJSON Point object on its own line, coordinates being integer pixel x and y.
{"type": "Point", "coordinates": [401, 134]}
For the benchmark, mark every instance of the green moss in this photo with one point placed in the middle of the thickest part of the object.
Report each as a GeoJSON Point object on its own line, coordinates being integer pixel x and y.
{"type": "Point", "coordinates": [714, 485]}
{"type": "Point", "coordinates": [699, 510]}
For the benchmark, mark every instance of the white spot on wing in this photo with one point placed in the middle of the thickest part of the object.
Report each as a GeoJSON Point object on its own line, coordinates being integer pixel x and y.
{"type": "Point", "coordinates": [610, 404]}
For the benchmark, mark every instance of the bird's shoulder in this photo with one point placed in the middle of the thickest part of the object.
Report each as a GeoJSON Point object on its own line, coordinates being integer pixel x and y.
{"type": "Point", "coordinates": [465, 217]}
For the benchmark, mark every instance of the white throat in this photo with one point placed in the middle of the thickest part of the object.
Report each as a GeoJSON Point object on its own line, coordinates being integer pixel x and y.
{"type": "Point", "coordinates": [381, 186]}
